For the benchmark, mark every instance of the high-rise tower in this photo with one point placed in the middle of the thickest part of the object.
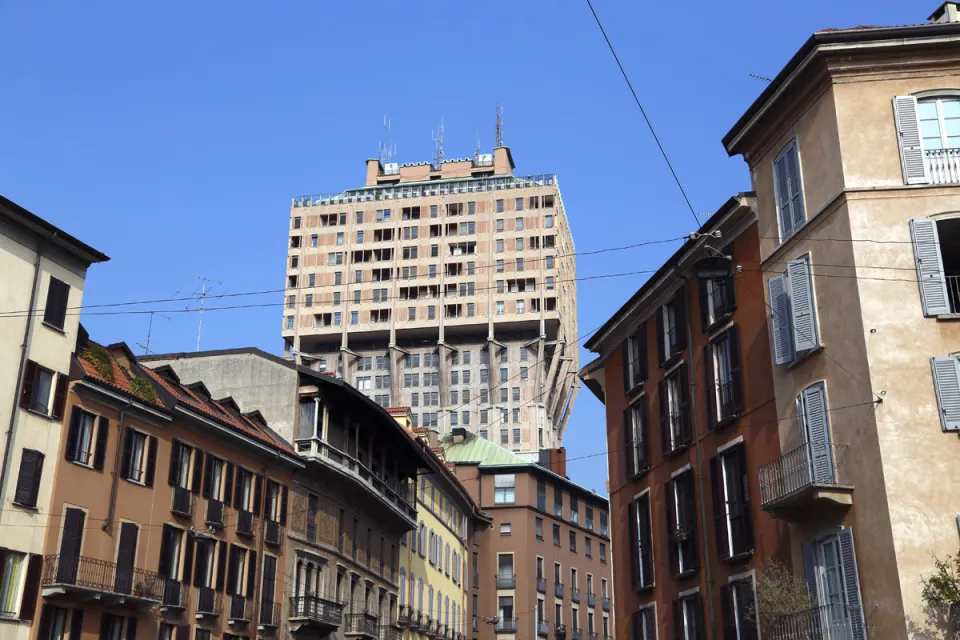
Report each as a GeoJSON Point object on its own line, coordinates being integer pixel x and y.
{"type": "Point", "coordinates": [449, 289]}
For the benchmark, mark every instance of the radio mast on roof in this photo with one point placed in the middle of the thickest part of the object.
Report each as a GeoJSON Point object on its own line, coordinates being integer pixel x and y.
{"type": "Point", "coordinates": [438, 140]}
{"type": "Point", "coordinates": [386, 152]}
{"type": "Point", "coordinates": [499, 138]}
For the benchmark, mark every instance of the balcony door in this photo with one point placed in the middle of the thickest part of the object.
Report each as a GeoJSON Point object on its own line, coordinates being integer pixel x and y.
{"type": "Point", "coordinates": [70, 543]}
{"type": "Point", "coordinates": [126, 553]}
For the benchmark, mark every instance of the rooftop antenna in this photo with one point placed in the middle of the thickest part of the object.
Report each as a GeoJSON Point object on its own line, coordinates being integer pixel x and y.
{"type": "Point", "coordinates": [386, 152]}
{"type": "Point", "coordinates": [204, 292]}
{"type": "Point", "coordinates": [438, 140]}
{"type": "Point", "coordinates": [476, 155]}
{"type": "Point", "coordinates": [759, 77]}
{"type": "Point", "coordinates": [146, 347]}
{"type": "Point", "coordinates": [499, 126]}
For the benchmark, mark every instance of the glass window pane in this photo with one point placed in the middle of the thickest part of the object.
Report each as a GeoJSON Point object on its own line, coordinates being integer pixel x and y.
{"type": "Point", "coordinates": [930, 128]}
{"type": "Point", "coordinates": [950, 108]}
{"type": "Point", "coordinates": [927, 110]}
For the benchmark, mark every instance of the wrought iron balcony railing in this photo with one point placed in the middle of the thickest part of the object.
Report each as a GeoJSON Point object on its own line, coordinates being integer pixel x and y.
{"type": "Point", "coordinates": [174, 595]}
{"type": "Point", "coordinates": [80, 573]}
{"type": "Point", "coordinates": [541, 584]}
{"type": "Point", "coordinates": [246, 523]}
{"type": "Point", "coordinates": [505, 581]}
{"type": "Point", "coordinates": [506, 625]}
{"type": "Point", "coordinates": [558, 589]}
{"type": "Point", "coordinates": [270, 613]}
{"type": "Point", "coordinates": [575, 595]}
{"type": "Point", "coordinates": [209, 602]}
{"type": "Point", "coordinates": [605, 603]}
{"type": "Point", "coordinates": [239, 609]}
{"type": "Point", "coordinates": [591, 599]}
{"type": "Point", "coordinates": [274, 533]}
{"type": "Point", "coordinates": [543, 628]}
{"type": "Point", "coordinates": [181, 502]}
{"type": "Point", "coordinates": [793, 480]}
{"type": "Point", "coordinates": [363, 624]}
{"type": "Point", "coordinates": [828, 622]}
{"type": "Point", "coordinates": [214, 517]}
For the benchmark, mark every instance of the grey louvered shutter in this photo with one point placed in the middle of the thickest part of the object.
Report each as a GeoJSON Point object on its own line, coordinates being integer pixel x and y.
{"type": "Point", "coordinates": [817, 426]}
{"type": "Point", "coordinates": [908, 137]}
{"type": "Point", "coordinates": [801, 305]}
{"type": "Point", "coordinates": [809, 555]}
{"type": "Point", "coordinates": [946, 382]}
{"type": "Point", "coordinates": [851, 583]}
{"type": "Point", "coordinates": [780, 319]}
{"type": "Point", "coordinates": [782, 187]}
{"type": "Point", "coordinates": [792, 157]}
{"type": "Point", "coordinates": [930, 277]}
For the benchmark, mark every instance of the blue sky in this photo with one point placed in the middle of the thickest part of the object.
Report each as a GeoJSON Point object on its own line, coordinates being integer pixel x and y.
{"type": "Point", "coordinates": [172, 136]}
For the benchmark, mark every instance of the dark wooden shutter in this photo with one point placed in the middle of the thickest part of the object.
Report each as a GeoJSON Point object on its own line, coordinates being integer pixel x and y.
{"type": "Point", "coordinates": [704, 303]}
{"type": "Point", "coordinates": [166, 541]}
{"type": "Point", "coordinates": [28, 478]}
{"type": "Point", "coordinates": [640, 366]}
{"type": "Point", "coordinates": [283, 504]}
{"type": "Point", "coordinates": [47, 612]}
{"type": "Point", "coordinates": [680, 320]}
{"type": "Point", "coordinates": [207, 475]}
{"type": "Point", "coordinates": [727, 617]}
{"type": "Point", "coordinates": [200, 577]}
{"type": "Point", "coordinates": [183, 632]}
{"type": "Point", "coordinates": [76, 624]}
{"type": "Point", "coordinates": [221, 565]}
{"type": "Point", "coordinates": [126, 555]}
{"type": "Point", "coordinates": [268, 583]}
{"type": "Point", "coordinates": [650, 623]}
{"type": "Point", "coordinates": [645, 541]}
{"type": "Point", "coordinates": [698, 611]}
{"type": "Point", "coordinates": [73, 432]}
{"type": "Point", "coordinates": [60, 396]}
{"type": "Point", "coordinates": [664, 416]}
{"type": "Point", "coordinates": [625, 356]}
{"type": "Point", "coordinates": [55, 311]}
{"type": "Point", "coordinates": [661, 350]}
{"type": "Point", "coordinates": [188, 558]}
{"type": "Point", "coordinates": [628, 444]}
{"type": "Point", "coordinates": [125, 470]}
{"type": "Point", "coordinates": [690, 521]}
{"type": "Point", "coordinates": [228, 484]}
{"type": "Point", "coordinates": [31, 587]}
{"type": "Point", "coordinates": [636, 625]}
{"type": "Point", "coordinates": [103, 433]}
{"type": "Point", "coordinates": [197, 471]}
{"type": "Point", "coordinates": [632, 544]}
{"type": "Point", "coordinates": [72, 534]}
{"type": "Point", "coordinates": [257, 494]}
{"type": "Point", "coordinates": [132, 628]}
{"type": "Point", "coordinates": [151, 460]}
{"type": "Point", "coordinates": [678, 619]}
{"type": "Point", "coordinates": [28, 384]}
{"type": "Point", "coordinates": [749, 629]}
{"type": "Point", "coordinates": [644, 433]}
{"type": "Point", "coordinates": [252, 569]}
{"type": "Point", "coordinates": [238, 489]}
{"type": "Point", "coordinates": [741, 519]}
{"type": "Point", "coordinates": [719, 509]}
{"type": "Point", "coordinates": [671, 522]}
{"type": "Point", "coordinates": [232, 567]}
{"type": "Point", "coordinates": [173, 475]}
{"type": "Point", "coordinates": [736, 377]}
{"type": "Point", "coordinates": [709, 386]}
{"type": "Point", "coordinates": [684, 404]}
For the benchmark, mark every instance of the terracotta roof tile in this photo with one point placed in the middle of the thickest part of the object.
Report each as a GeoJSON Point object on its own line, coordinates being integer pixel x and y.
{"type": "Point", "coordinates": [398, 409]}
{"type": "Point", "coordinates": [120, 381]}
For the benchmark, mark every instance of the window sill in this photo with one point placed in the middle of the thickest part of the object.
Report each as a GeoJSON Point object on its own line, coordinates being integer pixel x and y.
{"type": "Point", "coordinates": [726, 422]}
{"type": "Point", "coordinates": [540, 538]}
{"type": "Point", "coordinates": [53, 327]}
{"type": "Point", "coordinates": [676, 450]}
{"type": "Point", "coordinates": [719, 322]}
{"type": "Point", "coordinates": [40, 414]}
{"type": "Point", "coordinates": [686, 574]}
{"type": "Point", "coordinates": [135, 482]}
{"type": "Point", "coordinates": [672, 360]}
{"type": "Point", "coordinates": [806, 356]}
{"type": "Point", "coordinates": [948, 317]}
{"type": "Point", "coordinates": [28, 507]}
{"type": "Point", "coordinates": [635, 389]}
{"type": "Point", "coordinates": [10, 619]}
{"type": "Point", "coordinates": [633, 478]}
{"type": "Point", "coordinates": [647, 588]}
{"type": "Point", "coordinates": [740, 557]}
{"type": "Point", "coordinates": [84, 465]}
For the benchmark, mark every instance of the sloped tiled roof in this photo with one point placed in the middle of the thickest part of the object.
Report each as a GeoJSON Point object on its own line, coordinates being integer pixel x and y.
{"type": "Point", "coordinates": [120, 382]}
{"type": "Point", "coordinates": [398, 410]}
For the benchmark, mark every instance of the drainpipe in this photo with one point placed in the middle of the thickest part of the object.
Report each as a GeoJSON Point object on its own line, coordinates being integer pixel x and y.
{"type": "Point", "coordinates": [696, 445]}
{"type": "Point", "coordinates": [116, 464]}
{"type": "Point", "coordinates": [23, 361]}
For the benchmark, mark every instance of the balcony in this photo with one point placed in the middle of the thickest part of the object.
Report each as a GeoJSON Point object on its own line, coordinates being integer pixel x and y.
{"type": "Point", "coordinates": [558, 589]}
{"type": "Point", "coordinates": [209, 603]}
{"type": "Point", "coordinates": [246, 524]}
{"type": "Point", "coordinates": [541, 584]}
{"type": "Point", "coordinates": [575, 595]}
{"type": "Point", "coordinates": [506, 625]}
{"type": "Point", "coordinates": [274, 533]}
{"type": "Point", "coordinates": [239, 610]}
{"type": "Point", "coordinates": [401, 496]}
{"type": "Point", "coordinates": [823, 623]}
{"type": "Point", "coordinates": [475, 624]}
{"type": "Point", "coordinates": [591, 599]}
{"type": "Point", "coordinates": [174, 596]}
{"type": "Point", "coordinates": [181, 502]}
{"type": "Point", "coordinates": [593, 636]}
{"type": "Point", "coordinates": [363, 625]}
{"type": "Point", "coordinates": [943, 165]}
{"type": "Point", "coordinates": [577, 634]}
{"type": "Point", "coordinates": [810, 480]}
{"type": "Point", "coordinates": [270, 615]}
{"type": "Point", "coordinates": [389, 632]}
{"type": "Point", "coordinates": [315, 611]}
{"type": "Point", "coordinates": [476, 580]}
{"type": "Point", "coordinates": [505, 581]}
{"type": "Point", "coordinates": [543, 628]}
{"type": "Point", "coordinates": [404, 616]}
{"type": "Point", "coordinates": [605, 603]}
{"type": "Point", "coordinates": [214, 517]}
{"type": "Point", "coordinates": [416, 620]}
{"type": "Point", "coordinates": [100, 579]}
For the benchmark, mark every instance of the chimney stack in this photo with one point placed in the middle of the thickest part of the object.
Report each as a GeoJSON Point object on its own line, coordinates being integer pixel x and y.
{"type": "Point", "coordinates": [555, 460]}
{"type": "Point", "coordinates": [947, 12]}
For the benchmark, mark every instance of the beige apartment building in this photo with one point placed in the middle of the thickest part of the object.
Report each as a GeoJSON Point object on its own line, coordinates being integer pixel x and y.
{"type": "Point", "coordinates": [43, 270]}
{"type": "Point", "coordinates": [854, 155]}
{"type": "Point", "coordinates": [449, 289]}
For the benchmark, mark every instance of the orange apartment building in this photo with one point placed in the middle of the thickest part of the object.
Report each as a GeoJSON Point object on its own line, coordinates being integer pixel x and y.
{"type": "Point", "coordinates": [690, 413]}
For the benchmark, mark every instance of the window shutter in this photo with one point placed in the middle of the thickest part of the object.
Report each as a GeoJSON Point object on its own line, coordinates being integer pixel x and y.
{"type": "Point", "coordinates": [257, 493]}
{"type": "Point", "coordinates": [625, 356]}
{"type": "Point", "coordinates": [650, 622]}
{"type": "Point", "coordinates": [719, 509]}
{"type": "Point", "coordinates": [749, 629]}
{"type": "Point", "coordinates": [72, 434]}
{"type": "Point", "coordinates": [690, 521]}
{"type": "Point", "coordinates": [710, 386]}
{"type": "Point", "coordinates": [232, 570]}
{"type": "Point", "coordinates": [782, 188]}
{"type": "Point", "coordinates": [808, 553]}
{"type": "Point", "coordinates": [165, 544]}
{"type": "Point", "coordinates": [28, 479]}
{"type": "Point", "coordinates": [199, 567]}
{"type": "Point", "coordinates": [26, 387]}
{"type": "Point", "coordinates": [60, 396]}
{"type": "Point", "coordinates": [228, 483]}
{"type": "Point", "coordinates": [46, 613]}
{"type": "Point", "coordinates": [238, 489]}
{"type": "Point", "coordinates": [252, 569]}
{"type": "Point", "coordinates": [132, 628]}
{"type": "Point", "coordinates": [188, 558]}
{"type": "Point", "coordinates": [661, 351]}
{"type": "Point", "coordinates": [851, 582]}
{"type": "Point", "coordinates": [680, 321]}
{"type": "Point", "coordinates": [197, 471]}
{"type": "Point", "coordinates": [796, 186]}
{"type": "Point", "coordinates": [174, 472]}
{"type": "Point", "coordinates": [183, 632]}
{"type": "Point", "coordinates": [31, 587]}
{"type": "Point", "coordinates": [684, 404]}
{"type": "Point", "coordinates": [703, 298]}
{"type": "Point", "coordinates": [103, 432]}
{"type": "Point", "coordinates": [664, 418]}
{"type": "Point", "coordinates": [151, 460]}
{"type": "Point", "coordinates": [946, 383]}
{"type": "Point", "coordinates": [678, 620]}
{"type": "Point", "coordinates": [908, 137]}
{"type": "Point", "coordinates": [56, 308]}
{"type": "Point", "coordinates": [207, 475]}
{"type": "Point", "coordinates": [818, 432]}
{"type": "Point", "coordinates": [125, 470]}
{"type": "Point", "coordinates": [671, 521]}
{"type": "Point", "coordinates": [780, 319]}
{"type": "Point", "coordinates": [727, 617]}
{"type": "Point", "coordinates": [283, 504]}
{"type": "Point", "coordinates": [633, 543]}
{"type": "Point", "coordinates": [76, 624]}
{"type": "Point", "coordinates": [644, 432]}
{"type": "Point", "coordinates": [802, 317]}
{"type": "Point", "coordinates": [741, 516]}
{"type": "Point", "coordinates": [736, 380]}
{"type": "Point", "coordinates": [646, 544]}
{"type": "Point", "coordinates": [628, 444]}
{"type": "Point", "coordinates": [930, 277]}
{"type": "Point", "coordinates": [636, 625]}
{"type": "Point", "coordinates": [221, 565]}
